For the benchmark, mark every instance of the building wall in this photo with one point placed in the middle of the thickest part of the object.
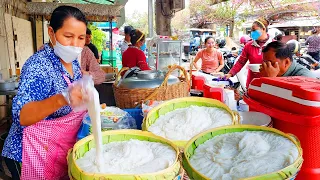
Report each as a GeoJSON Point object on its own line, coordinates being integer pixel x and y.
{"type": "Point", "coordinates": [7, 58]}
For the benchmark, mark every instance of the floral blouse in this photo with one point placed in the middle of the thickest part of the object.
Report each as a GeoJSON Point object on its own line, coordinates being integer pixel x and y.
{"type": "Point", "coordinates": [41, 77]}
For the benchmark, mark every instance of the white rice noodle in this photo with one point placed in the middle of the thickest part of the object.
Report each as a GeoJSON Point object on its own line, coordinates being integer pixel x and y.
{"type": "Point", "coordinates": [183, 124]}
{"type": "Point", "coordinates": [130, 157]}
{"type": "Point", "coordinates": [243, 154]}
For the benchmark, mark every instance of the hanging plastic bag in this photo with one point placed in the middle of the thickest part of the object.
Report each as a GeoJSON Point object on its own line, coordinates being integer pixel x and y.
{"type": "Point", "coordinates": [148, 105]}
{"type": "Point", "coordinates": [111, 118]}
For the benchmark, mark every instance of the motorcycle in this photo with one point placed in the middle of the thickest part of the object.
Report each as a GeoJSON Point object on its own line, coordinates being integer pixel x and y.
{"type": "Point", "coordinates": [229, 59]}
{"type": "Point", "coordinates": [307, 61]}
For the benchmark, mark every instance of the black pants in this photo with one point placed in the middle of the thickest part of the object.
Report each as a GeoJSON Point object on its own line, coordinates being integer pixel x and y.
{"type": "Point", "coordinates": [315, 55]}
{"type": "Point", "coordinates": [14, 168]}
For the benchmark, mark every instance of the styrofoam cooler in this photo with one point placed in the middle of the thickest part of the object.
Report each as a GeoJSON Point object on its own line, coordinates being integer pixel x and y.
{"type": "Point", "coordinates": [292, 103]}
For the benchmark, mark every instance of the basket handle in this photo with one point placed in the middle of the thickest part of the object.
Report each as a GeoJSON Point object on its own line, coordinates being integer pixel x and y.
{"type": "Point", "coordinates": [118, 76]}
{"type": "Point", "coordinates": [237, 115]}
{"type": "Point", "coordinates": [295, 138]}
{"type": "Point", "coordinates": [191, 67]}
{"type": "Point", "coordinates": [165, 82]}
{"type": "Point", "coordinates": [171, 69]}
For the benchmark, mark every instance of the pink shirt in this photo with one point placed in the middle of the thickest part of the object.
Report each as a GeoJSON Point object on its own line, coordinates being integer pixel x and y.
{"type": "Point", "coordinates": [210, 61]}
{"type": "Point", "coordinates": [89, 63]}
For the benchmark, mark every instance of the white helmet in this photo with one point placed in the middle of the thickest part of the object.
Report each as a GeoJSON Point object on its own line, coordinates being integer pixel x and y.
{"type": "Point", "coordinates": [274, 32]}
{"type": "Point", "coordinates": [294, 45]}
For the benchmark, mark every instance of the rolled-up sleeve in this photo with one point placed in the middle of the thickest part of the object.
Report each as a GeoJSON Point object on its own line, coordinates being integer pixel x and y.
{"type": "Point", "coordinates": [91, 65]}
{"type": "Point", "coordinates": [34, 86]}
{"type": "Point", "coordinates": [241, 62]}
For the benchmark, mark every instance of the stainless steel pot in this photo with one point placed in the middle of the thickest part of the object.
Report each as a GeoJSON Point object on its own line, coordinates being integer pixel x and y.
{"type": "Point", "coordinates": [7, 86]}
{"type": "Point", "coordinates": [150, 74]}
{"type": "Point", "coordinates": [136, 82]}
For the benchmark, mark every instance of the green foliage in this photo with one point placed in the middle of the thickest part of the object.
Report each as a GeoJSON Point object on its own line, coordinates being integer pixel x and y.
{"type": "Point", "coordinates": [138, 21]}
{"type": "Point", "coordinates": [98, 37]}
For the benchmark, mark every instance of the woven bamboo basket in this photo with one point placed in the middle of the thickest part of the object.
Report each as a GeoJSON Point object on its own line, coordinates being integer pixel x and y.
{"type": "Point", "coordinates": [288, 173]}
{"type": "Point", "coordinates": [174, 104]}
{"type": "Point", "coordinates": [84, 145]}
{"type": "Point", "coordinates": [130, 98]}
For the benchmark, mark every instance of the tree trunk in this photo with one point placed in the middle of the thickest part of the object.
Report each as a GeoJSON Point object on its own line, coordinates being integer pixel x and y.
{"type": "Point", "coordinates": [231, 28]}
{"type": "Point", "coordinates": [163, 18]}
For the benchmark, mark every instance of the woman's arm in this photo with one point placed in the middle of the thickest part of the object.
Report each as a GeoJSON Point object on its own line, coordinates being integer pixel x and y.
{"type": "Point", "coordinates": [36, 111]}
{"type": "Point", "coordinates": [241, 62]}
{"type": "Point", "coordinates": [98, 75]}
{"type": "Point", "coordinates": [221, 62]}
{"type": "Point", "coordinates": [196, 59]}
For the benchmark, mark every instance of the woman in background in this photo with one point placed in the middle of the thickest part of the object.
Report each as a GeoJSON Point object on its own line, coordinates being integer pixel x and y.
{"type": "Point", "coordinates": [212, 60]}
{"type": "Point", "coordinates": [252, 51]}
{"type": "Point", "coordinates": [134, 56]}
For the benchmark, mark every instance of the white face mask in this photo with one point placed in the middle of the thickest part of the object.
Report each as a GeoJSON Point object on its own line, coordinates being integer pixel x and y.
{"type": "Point", "coordinates": [67, 53]}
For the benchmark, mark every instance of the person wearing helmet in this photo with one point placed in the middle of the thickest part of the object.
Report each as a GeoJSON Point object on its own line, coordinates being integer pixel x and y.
{"type": "Point", "coordinates": [313, 43]}
{"type": "Point", "coordinates": [275, 34]}
{"type": "Point", "coordinates": [304, 59]}
{"type": "Point", "coordinates": [278, 61]}
{"type": "Point", "coordinates": [243, 41]}
{"type": "Point", "coordinates": [222, 43]}
{"type": "Point", "coordinates": [294, 46]}
{"type": "Point", "coordinates": [252, 51]}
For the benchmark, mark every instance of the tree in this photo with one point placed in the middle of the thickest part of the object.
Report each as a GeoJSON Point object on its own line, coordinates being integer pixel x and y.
{"type": "Point", "coordinates": [138, 21]}
{"type": "Point", "coordinates": [199, 13]}
{"type": "Point", "coordinates": [98, 37]}
{"type": "Point", "coordinates": [235, 12]}
{"type": "Point", "coordinates": [223, 13]}
{"type": "Point", "coordinates": [180, 23]}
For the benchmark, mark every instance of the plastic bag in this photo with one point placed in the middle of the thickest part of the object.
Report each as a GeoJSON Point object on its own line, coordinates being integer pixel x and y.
{"type": "Point", "coordinates": [84, 86]}
{"type": "Point", "coordinates": [148, 105]}
{"type": "Point", "coordinates": [113, 118]}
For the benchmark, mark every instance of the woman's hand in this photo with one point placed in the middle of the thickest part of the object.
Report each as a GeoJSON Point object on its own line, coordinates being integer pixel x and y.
{"type": "Point", "coordinates": [227, 76]}
{"type": "Point", "coordinates": [85, 72]}
{"type": "Point", "coordinates": [78, 94]}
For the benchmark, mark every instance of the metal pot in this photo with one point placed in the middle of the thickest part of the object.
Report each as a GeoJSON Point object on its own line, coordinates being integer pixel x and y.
{"type": "Point", "coordinates": [150, 74]}
{"type": "Point", "coordinates": [145, 80]}
{"type": "Point", "coordinates": [135, 82]}
{"type": "Point", "coordinates": [7, 86]}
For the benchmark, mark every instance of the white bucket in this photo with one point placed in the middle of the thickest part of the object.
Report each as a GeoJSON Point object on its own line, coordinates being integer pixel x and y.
{"type": "Point", "coordinates": [243, 106]}
{"type": "Point", "coordinates": [255, 118]}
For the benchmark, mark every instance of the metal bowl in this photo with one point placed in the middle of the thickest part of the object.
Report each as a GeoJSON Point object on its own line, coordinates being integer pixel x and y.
{"type": "Point", "coordinates": [7, 86]}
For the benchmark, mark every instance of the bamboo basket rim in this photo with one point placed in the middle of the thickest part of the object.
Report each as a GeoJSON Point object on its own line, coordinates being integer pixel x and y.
{"type": "Point", "coordinates": [291, 137]}
{"type": "Point", "coordinates": [120, 132]}
{"type": "Point", "coordinates": [188, 99]}
{"type": "Point", "coordinates": [180, 143]}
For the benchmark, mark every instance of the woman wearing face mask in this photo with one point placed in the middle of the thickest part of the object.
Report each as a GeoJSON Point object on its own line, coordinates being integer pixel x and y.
{"type": "Point", "coordinates": [134, 56]}
{"type": "Point", "coordinates": [252, 51]}
{"type": "Point", "coordinates": [212, 60]}
{"type": "Point", "coordinates": [44, 123]}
